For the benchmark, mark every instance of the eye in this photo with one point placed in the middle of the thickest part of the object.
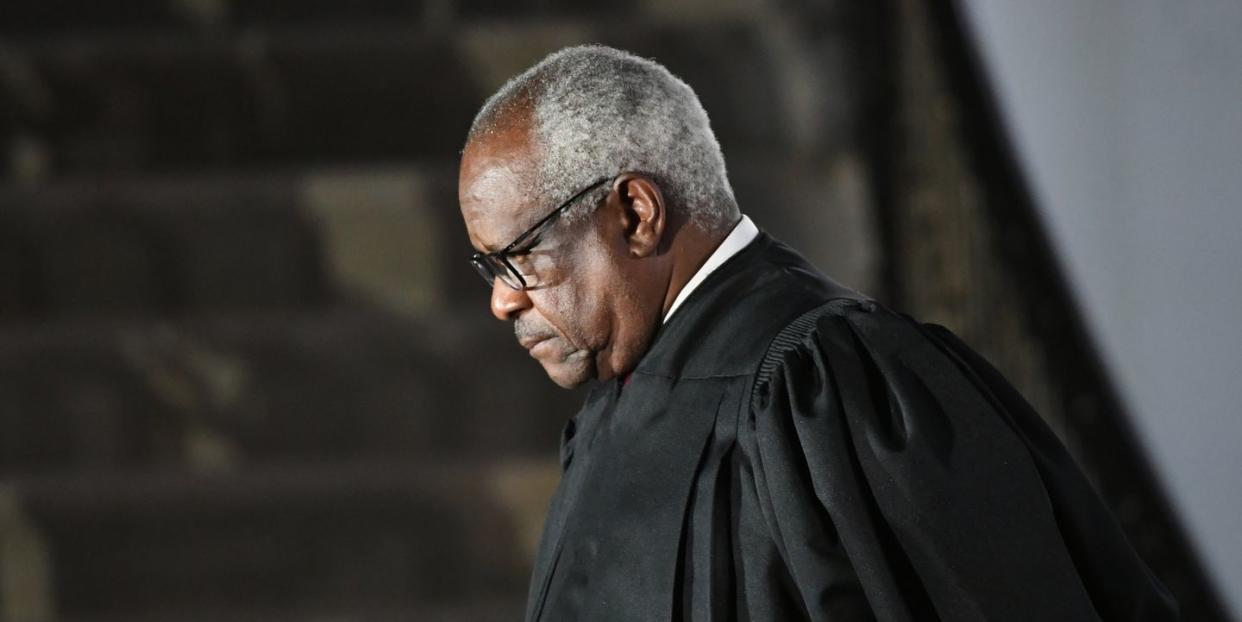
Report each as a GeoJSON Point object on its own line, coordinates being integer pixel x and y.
{"type": "Point", "coordinates": [522, 260]}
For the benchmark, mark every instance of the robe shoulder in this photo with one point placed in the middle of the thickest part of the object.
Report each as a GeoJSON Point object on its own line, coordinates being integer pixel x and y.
{"type": "Point", "coordinates": [892, 443]}
{"type": "Point", "coordinates": [725, 325]}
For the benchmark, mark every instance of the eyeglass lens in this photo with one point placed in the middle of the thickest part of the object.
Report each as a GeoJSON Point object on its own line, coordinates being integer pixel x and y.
{"type": "Point", "coordinates": [491, 268]}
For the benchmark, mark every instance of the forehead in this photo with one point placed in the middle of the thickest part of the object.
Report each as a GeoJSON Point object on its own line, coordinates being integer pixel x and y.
{"type": "Point", "coordinates": [496, 172]}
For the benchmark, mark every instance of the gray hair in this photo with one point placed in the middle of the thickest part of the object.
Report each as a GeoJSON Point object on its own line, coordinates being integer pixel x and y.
{"type": "Point", "coordinates": [596, 111]}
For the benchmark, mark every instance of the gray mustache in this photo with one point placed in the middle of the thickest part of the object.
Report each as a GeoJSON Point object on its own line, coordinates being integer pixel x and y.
{"type": "Point", "coordinates": [531, 330]}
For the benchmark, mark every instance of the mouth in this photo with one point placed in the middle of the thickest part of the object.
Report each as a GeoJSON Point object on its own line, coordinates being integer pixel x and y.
{"type": "Point", "coordinates": [531, 342]}
{"type": "Point", "coordinates": [540, 347]}
{"type": "Point", "coordinates": [545, 348]}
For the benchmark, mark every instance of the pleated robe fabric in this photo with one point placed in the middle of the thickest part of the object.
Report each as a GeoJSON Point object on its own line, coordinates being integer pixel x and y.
{"type": "Point", "coordinates": [789, 450]}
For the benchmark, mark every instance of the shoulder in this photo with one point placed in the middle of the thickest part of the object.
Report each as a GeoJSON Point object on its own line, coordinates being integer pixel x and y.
{"type": "Point", "coordinates": [725, 327]}
{"type": "Point", "coordinates": [854, 331]}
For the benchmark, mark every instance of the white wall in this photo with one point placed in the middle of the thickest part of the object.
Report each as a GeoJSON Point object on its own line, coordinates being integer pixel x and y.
{"type": "Point", "coordinates": [1127, 118]}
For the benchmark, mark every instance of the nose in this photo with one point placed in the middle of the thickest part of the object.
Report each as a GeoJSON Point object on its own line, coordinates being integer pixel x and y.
{"type": "Point", "coordinates": [507, 302]}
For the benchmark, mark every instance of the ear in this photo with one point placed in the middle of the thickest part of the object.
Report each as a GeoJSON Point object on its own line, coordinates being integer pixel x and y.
{"type": "Point", "coordinates": [643, 213]}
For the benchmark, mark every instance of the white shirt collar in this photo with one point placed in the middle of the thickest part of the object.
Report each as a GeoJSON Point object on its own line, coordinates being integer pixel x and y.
{"type": "Point", "coordinates": [743, 233]}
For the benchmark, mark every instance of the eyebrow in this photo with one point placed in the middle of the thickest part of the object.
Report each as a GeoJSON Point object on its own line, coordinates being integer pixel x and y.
{"type": "Point", "coordinates": [492, 248]}
{"type": "Point", "coordinates": [485, 248]}
{"type": "Point", "coordinates": [530, 242]}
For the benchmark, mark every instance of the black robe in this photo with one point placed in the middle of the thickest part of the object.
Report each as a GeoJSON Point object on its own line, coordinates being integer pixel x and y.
{"type": "Point", "coordinates": [788, 450]}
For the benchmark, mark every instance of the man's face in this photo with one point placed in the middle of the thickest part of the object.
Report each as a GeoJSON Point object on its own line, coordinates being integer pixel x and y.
{"type": "Point", "coordinates": [571, 317]}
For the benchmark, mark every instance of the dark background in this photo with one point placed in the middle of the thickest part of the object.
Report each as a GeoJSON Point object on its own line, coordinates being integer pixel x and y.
{"type": "Point", "coordinates": [247, 373]}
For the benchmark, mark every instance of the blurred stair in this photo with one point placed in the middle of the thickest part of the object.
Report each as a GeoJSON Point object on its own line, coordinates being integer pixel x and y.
{"type": "Point", "coordinates": [309, 541]}
{"type": "Point", "coordinates": [155, 248]}
{"type": "Point", "coordinates": [337, 384]}
{"type": "Point", "coordinates": [321, 91]}
{"type": "Point", "coordinates": [200, 415]}
{"type": "Point", "coordinates": [245, 371]}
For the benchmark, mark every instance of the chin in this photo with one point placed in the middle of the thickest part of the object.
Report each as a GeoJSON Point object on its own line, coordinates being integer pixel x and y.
{"type": "Point", "coordinates": [569, 374]}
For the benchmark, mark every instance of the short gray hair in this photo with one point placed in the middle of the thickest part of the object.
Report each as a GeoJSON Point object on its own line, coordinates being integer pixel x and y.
{"type": "Point", "coordinates": [597, 111]}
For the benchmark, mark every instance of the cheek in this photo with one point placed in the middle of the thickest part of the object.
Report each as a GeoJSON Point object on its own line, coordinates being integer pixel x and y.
{"type": "Point", "coordinates": [578, 307]}
{"type": "Point", "coordinates": [573, 310]}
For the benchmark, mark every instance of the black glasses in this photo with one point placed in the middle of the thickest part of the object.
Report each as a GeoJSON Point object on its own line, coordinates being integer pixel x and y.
{"type": "Point", "coordinates": [498, 265]}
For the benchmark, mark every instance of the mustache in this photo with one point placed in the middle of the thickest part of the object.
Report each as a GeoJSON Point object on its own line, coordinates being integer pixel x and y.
{"type": "Point", "coordinates": [529, 329]}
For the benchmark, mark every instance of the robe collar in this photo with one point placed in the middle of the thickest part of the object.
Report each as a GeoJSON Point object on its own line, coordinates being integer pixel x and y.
{"type": "Point", "coordinates": [742, 234]}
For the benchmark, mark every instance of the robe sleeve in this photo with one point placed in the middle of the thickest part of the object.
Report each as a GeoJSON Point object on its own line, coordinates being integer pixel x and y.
{"type": "Point", "coordinates": [892, 460]}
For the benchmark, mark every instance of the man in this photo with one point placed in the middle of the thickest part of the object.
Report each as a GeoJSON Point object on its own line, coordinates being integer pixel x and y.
{"type": "Point", "coordinates": [760, 443]}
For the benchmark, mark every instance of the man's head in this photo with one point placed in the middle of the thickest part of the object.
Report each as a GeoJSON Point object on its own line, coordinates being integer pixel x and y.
{"type": "Point", "coordinates": [598, 274]}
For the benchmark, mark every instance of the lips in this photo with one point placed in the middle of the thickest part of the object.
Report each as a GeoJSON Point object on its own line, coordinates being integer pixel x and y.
{"type": "Point", "coordinates": [543, 348]}
{"type": "Point", "coordinates": [531, 342]}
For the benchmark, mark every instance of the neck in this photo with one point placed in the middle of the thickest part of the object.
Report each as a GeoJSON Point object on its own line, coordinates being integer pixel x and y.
{"type": "Point", "coordinates": [689, 254]}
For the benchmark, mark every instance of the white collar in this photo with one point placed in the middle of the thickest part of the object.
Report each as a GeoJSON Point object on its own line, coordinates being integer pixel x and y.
{"type": "Point", "coordinates": [743, 233]}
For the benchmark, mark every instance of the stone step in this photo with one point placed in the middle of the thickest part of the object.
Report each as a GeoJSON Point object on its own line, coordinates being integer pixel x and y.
{"type": "Point", "coordinates": [382, 93]}
{"type": "Point", "coordinates": [169, 102]}
{"type": "Point", "coordinates": [157, 246]}
{"type": "Point", "coordinates": [107, 246]}
{"type": "Point", "coordinates": [47, 17]}
{"type": "Point", "coordinates": [255, 388]}
{"type": "Point", "coordinates": [42, 18]}
{"type": "Point", "coordinates": [476, 608]}
{"type": "Point", "coordinates": [349, 540]}
{"type": "Point", "coordinates": [488, 609]}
